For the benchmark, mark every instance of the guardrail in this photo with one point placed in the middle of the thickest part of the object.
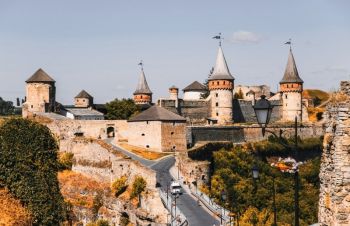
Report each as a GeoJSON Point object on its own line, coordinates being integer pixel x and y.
{"type": "Point", "coordinates": [177, 217]}
{"type": "Point", "coordinates": [211, 205]}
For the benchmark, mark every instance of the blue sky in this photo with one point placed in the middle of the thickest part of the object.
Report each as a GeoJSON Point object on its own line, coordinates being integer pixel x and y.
{"type": "Point", "coordinates": [96, 45]}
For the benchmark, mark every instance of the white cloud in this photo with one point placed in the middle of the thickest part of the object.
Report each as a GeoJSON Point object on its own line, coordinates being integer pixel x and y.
{"type": "Point", "coordinates": [246, 37]}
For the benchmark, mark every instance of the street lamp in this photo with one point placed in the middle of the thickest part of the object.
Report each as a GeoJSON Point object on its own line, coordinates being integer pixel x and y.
{"type": "Point", "coordinates": [255, 172]}
{"type": "Point", "coordinates": [263, 110]}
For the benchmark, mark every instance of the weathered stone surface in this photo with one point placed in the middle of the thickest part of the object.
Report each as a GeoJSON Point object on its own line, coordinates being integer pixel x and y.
{"type": "Point", "coordinates": [334, 203]}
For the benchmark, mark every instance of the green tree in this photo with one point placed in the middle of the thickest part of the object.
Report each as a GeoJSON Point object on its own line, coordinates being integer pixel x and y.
{"type": "Point", "coordinates": [28, 168]}
{"type": "Point", "coordinates": [121, 109]}
{"type": "Point", "coordinates": [238, 95]}
{"type": "Point", "coordinates": [119, 186]}
{"type": "Point", "coordinates": [138, 186]}
{"type": "Point", "coordinates": [6, 107]}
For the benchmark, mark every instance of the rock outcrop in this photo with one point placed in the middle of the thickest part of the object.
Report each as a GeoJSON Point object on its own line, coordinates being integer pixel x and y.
{"type": "Point", "coordinates": [334, 203]}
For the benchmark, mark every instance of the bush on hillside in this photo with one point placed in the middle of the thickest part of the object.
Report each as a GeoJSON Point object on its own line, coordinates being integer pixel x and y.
{"type": "Point", "coordinates": [138, 186]}
{"type": "Point", "coordinates": [28, 169]}
{"type": "Point", "coordinates": [119, 186]}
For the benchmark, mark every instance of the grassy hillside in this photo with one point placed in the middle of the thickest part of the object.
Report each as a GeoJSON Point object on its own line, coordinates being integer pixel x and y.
{"type": "Point", "coordinates": [320, 99]}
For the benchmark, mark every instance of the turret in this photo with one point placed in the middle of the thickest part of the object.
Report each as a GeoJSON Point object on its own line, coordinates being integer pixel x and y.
{"type": "Point", "coordinates": [142, 94]}
{"type": "Point", "coordinates": [220, 85]}
{"type": "Point", "coordinates": [83, 100]}
{"type": "Point", "coordinates": [40, 93]}
{"type": "Point", "coordinates": [291, 88]}
{"type": "Point", "coordinates": [173, 93]}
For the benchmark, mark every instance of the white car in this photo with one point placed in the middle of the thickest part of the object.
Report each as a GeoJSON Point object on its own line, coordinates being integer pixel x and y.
{"type": "Point", "coordinates": [175, 188]}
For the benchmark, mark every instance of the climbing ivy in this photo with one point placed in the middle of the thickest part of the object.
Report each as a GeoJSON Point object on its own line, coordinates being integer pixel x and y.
{"type": "Point", "coordinates": [28, 169]}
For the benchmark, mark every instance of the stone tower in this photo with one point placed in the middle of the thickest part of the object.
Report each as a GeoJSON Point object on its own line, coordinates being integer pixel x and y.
{"type": "Point", "coordinates": [291, 88]}
{"type": "Point", "coordinates": [173, 93]}
{"type": "Point", "coordinates": [220, 85]}
{"type": "Point", "coordinates": [83, 100]}
{"type": "Point", "coordinates": [143, 94]}
{"type": "Point", "coordinates": [40, 93]}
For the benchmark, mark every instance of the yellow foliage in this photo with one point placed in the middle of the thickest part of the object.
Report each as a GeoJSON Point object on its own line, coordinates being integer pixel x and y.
{"type": "Point", "coordinates": [144, 153]}
{"type": "Point", "coordinates": [11, 211]}
{"type": "Point", "coordinates": [78, 189]}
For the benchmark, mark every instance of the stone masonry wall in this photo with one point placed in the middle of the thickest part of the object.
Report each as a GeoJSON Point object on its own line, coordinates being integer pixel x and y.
{"type": "Point", "coordinates": [104, 165]}
{"type": "Point", "coordinates": [334, 203]}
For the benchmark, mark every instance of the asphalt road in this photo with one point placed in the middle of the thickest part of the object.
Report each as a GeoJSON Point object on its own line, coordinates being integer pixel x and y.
{"type": "Point", "coordinates": [195, 214]}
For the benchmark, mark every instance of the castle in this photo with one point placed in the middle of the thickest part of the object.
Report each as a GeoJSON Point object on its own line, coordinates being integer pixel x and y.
{"type": "Point", "coordinates": [227, 104]}
{"type": "Point", "coordinates": [219, 102]}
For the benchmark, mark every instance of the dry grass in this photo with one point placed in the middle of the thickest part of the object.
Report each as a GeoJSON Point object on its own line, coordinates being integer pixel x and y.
{"type": "Point", "coordinates": [80, 190]}
{"type": "Point", "coordinates": [11, 211]}
{"type": "Point", "coordinates": [315, 93]}
{"type": "Point", "coordinates": [144, 153]}
{"type": "Point", "coordinates": [312, 112]}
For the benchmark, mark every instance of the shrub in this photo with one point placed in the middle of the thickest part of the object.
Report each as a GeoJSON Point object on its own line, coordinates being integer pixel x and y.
{"type": "Point", "coordinates": [119, 186]}
{"type": "Point", "coordinates": [66, 160]}
{"type": "Point", "coordinates": [97, 203]}
{"type": "Point", "coordinates": [28, 168]}
{"type": "Point", "coordinates": [138, 186]}
{"type": "Point", "coordinates": [100, 222]}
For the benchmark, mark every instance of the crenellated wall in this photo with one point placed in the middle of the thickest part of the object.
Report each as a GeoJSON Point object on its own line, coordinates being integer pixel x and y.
{"type": "Point", "coordinates": [334, 203]}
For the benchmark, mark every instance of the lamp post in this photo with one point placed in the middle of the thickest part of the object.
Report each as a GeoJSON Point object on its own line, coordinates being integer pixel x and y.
{"type": "Point", "coordinates": [223, 198]}
{"type": "Point", "coordinates": [263, 110]}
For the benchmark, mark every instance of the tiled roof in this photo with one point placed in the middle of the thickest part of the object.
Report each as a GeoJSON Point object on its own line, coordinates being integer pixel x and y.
{"type": "Point", "coordinates": [142, 86]}
{"type": "Point", "coordinates": [156, 113]}
{"type": "Point", "coordinates": [83, 94]}
{"type": "Point", "coordinates": [40, 76]}
{"type": "Point", "coordinates": [195, 86]}
{"type": "Point", "coordinates": [291, 74]}
{"type": "Point", "coordinates": [221, 71]}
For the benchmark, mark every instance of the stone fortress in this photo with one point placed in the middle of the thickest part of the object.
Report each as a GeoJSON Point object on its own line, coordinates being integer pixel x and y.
{"type": "Point", "coordinates": [221, 107]}
{"type": "Point", "coordinates": [203, 112]}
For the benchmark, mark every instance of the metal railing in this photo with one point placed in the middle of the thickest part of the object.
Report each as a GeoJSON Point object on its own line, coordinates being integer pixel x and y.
{"type": "Point", "coordinates": [177, 218]}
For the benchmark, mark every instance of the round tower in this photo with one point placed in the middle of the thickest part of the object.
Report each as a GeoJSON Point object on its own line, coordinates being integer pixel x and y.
{"type": "Point", "coordinates": [291, 88]}
{"type": "Point", "coordinates": [173, 93]}
{"type": "Point", "coordinates": [40, 93]}
{"type": "Point", "coordinates": [142, 94]}
{"type": "Point", "coordinates": [220, 85]}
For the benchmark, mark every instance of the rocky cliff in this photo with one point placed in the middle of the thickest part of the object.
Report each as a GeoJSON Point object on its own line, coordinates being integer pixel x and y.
{"type": "Point", "coordinates": [334, 203]}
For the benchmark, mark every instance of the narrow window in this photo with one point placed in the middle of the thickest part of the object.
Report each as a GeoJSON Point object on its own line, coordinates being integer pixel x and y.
{"type": "Point", "coordinates": [143, 134]}
{"type": "Point", "coordinates": [32, 106]}
{"type": "Point", "coordinates": [141, 96]}
{"type": "Point", "coordinates": [146, 122]}
{"type": "Point", "coordinates": [216, 94]}
{"type": "Point", "coordinates": [217, 114]}
{"type": "Point", "coordinates": [172, 133]}
{"type": "Point", "coordinates": [286, 96]}
{"type": "Point", "coordinates": [224, 82]}
{"type": "Point", "coordinates": [147, 146]}
{"type": "Point", "coordinates": [217, 104]}
{"type": "Point", "coordinates": [83, 100]}
{"type": "Point", "coordinates": [217, 83]}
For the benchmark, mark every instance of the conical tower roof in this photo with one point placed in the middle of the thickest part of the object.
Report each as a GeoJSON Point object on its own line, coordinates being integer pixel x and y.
{"type": "Point", "coordinates": [142, 86]}
{"type": "Point", "coordinates": [221, 71]}
{"type": "Point", "coordinates": [40, 76]}
{"type": "Point", "coordinates": [291, 74]}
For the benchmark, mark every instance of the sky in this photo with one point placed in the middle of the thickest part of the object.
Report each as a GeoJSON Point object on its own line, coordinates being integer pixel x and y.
{"type": "Point", "coordinates": [97, 45]}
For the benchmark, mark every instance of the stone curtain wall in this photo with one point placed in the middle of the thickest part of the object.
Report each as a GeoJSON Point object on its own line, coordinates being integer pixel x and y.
{"type": "Point", "coordinates": [334, 203]}
{"type": "Point", "coordinates": [243, 111]}
{"type": "Point", "coordinates": [239, 134]}
{"type": "Point", "coordinates": [196, 111]}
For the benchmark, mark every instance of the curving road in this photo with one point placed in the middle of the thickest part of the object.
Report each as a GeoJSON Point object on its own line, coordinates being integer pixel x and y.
{"type": "Point", "coordinates": [196, 215]}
